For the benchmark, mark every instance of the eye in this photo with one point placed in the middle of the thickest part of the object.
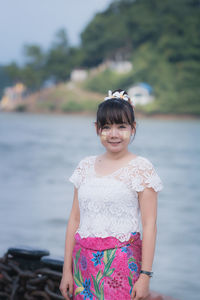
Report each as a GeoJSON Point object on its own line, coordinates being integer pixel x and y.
{"type": "Point", "coordinates": [105, 127]}
{"type": "Point", "coordinates": [122, 126]}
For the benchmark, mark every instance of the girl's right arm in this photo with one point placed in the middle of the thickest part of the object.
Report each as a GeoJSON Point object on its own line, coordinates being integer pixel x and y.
{"type": "Point", "coordinates": [72, 226]}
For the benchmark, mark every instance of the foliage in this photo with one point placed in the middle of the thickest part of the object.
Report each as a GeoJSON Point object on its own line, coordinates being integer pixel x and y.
{"type": "Point", "coordinates": [40, 66]}
{"type": "Point", "coordinates": [21, 107]}
{"type": "Point", "coordinates": [57, 65]}
{"type": "Point", "coordinates": [161, 38]}
{"type": "Point", "coordinates": [108, 80]}
{"type": "Point", "coordinates": [46, 105]}
{"type": "Point", "coordinates": [5, 80]}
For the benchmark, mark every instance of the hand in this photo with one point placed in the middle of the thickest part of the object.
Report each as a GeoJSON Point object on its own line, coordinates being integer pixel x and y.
{"type": "Point", "coordinates": [141, 288]}
{"type": "Point", "coordinates": [66, 285]}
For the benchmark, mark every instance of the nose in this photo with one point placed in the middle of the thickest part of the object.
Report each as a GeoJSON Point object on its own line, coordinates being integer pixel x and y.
{"type": "Point", "coordinates": [113, 131]}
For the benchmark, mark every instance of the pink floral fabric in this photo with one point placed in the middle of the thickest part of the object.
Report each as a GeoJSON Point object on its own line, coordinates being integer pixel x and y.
{"type": "Point", "coordinates": [105, 268]}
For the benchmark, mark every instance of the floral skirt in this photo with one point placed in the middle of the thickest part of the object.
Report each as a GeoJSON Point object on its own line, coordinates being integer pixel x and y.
{"type": "Point", "coordinates": [105, 268]}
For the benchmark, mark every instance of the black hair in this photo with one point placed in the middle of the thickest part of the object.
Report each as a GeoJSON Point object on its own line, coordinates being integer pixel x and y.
{"type": "Point", "coordinates": [115, 110]}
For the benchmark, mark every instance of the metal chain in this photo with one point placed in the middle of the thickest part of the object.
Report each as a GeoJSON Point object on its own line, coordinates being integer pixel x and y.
{"type": "Point", "coordinates": [17, 282]}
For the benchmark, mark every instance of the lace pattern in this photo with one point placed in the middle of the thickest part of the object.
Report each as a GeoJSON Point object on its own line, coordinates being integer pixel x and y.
{"type": "Point", "coordinates": [109, 204]}
{"type": "Point", "coordinates": [141, 172]}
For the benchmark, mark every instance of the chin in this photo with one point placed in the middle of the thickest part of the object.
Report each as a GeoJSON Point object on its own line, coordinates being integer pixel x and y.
{"type": "Point", "coordinates": [115, 148]}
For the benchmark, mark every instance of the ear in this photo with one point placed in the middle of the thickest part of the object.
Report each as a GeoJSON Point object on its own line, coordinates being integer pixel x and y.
{"type": "Point", "coordinates": [133, 130]}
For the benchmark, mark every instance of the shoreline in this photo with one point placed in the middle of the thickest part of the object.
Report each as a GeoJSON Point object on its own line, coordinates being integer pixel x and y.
{"type": "Point", "coordinates": [138, 115]}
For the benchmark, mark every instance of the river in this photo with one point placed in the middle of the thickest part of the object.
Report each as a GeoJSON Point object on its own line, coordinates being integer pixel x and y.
{"type": "Point", "coordinates": [38, 153]}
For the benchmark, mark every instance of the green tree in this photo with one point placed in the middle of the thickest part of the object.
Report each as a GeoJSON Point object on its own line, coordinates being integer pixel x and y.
{"type": "Point", "coordinates": [33, 74]}
{"type": "Point", "coordinates": [58, 64]}
{"type": "Point", "coordinates": [5, 80]}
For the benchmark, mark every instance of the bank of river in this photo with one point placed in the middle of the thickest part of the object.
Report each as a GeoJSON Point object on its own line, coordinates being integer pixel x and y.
{"type": "Point", "coordinates": [138, 115]}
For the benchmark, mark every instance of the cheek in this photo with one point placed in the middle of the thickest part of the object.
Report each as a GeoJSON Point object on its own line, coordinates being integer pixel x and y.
{"type": "Point", "coordinates": [103, 135]}
{"type": "Point", "coordinates": [125, 135]}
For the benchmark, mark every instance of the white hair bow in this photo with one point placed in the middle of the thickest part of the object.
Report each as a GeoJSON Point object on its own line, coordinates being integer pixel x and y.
{"type": "Point", "coordinates": [116, 95]}
{"type": "Point", "coordinates": [119, 95]}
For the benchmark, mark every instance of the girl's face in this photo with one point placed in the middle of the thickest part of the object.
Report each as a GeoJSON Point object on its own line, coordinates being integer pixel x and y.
{"type": "Point", "coordinates": [116, 137]}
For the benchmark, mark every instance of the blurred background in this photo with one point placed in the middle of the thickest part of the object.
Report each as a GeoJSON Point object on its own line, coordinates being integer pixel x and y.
{"type": "Point", "coordinates": [58, 59]}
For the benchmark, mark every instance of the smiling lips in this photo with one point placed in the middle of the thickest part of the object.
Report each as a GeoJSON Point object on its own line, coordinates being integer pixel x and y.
{"type": "Point", "coordinates": [114, 143]}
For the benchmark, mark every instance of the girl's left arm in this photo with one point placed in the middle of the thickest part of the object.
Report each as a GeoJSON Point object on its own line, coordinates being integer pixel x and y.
{"type": "Point", "coordinates": [148, 207]}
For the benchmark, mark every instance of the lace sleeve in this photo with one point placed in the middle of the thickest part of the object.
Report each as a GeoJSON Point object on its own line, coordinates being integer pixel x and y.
{"type": "Point", "coordinates": [146, 177]}
{"type": "Point", "coordinates": [77, 175]}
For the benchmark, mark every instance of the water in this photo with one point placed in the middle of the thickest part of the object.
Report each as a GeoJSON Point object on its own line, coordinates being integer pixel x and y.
{"type": "Point", "coordinates": [39, 152]}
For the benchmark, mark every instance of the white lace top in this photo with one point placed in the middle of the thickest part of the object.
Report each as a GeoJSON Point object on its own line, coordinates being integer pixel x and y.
{"type": "Point", "coordinates": [109, 204]}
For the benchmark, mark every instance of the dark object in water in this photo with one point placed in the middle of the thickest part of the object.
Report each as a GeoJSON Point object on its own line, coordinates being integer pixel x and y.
{"type": "Point", "coordinates": [33, 274]}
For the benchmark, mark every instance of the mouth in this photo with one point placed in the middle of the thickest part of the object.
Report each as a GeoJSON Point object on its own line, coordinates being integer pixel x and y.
{"type": "Point", "coordinates": [114, 143]}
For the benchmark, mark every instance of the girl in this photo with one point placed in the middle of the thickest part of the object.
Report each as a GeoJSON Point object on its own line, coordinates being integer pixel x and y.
{"type": "Point", "coordinates": [105, 257]}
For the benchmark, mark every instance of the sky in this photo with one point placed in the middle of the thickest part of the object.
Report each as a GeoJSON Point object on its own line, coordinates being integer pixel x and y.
{"type": "Point", "coordinates": [37, 21]}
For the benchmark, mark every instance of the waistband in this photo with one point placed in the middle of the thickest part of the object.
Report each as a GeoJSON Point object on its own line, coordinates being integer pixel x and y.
{"type": "Point", "coordinates": [98, 243]}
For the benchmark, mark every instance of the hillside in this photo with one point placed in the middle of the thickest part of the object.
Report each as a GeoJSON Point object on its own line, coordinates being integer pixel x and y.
{"type": "Point", "coordinates": [160, 38]}
{"type": "Point", "coordinates": [61, 98]}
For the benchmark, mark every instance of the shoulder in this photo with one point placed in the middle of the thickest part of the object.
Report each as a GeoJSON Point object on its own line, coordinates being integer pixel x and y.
{"type": "Point", "coordinates": [147, 175]}
{"type": "Point", "coordinates": [80, 171]}
{"type": "Point", "coordinates": [86, 161]}
{"type": "Point", "coordinates": [140, 165]}
{"type": "Point", "coordinates": [144, 162]}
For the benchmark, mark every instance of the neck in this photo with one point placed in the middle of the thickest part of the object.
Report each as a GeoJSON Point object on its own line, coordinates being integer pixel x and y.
{"type": "Point", "coordinates": [116, 155]}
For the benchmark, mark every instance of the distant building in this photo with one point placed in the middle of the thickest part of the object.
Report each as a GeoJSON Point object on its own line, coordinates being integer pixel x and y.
{"type": "Point", "coordinates": [141, 93]}
{"type": "Point", "coordinates": [12, 96]}
{"type": "Point", "coordinates": [78, 75]}
{"type": "Point", "coordinates": [118, 66]}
